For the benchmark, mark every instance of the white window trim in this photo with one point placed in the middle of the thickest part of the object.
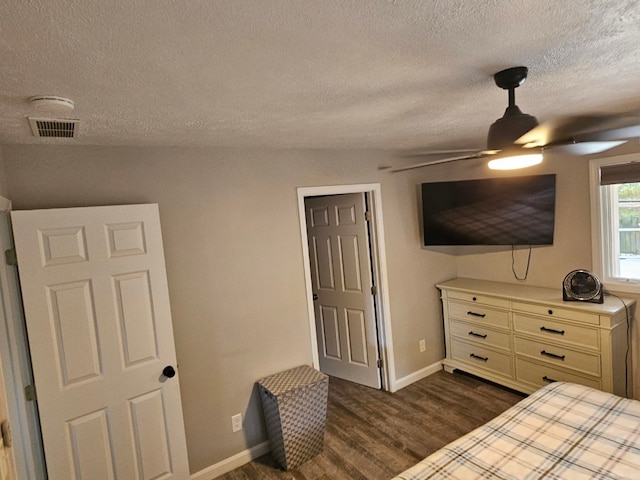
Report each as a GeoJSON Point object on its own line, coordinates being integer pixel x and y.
{"type": "Point", "coordinates": [601, 218]}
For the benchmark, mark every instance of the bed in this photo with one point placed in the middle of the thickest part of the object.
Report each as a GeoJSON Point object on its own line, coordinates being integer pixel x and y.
{"type": "Point", "coordinates": [563, 431]}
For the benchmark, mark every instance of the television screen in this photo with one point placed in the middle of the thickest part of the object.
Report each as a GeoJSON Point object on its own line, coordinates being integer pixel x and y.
{"type": "Point", "coordinates": [491, 211]}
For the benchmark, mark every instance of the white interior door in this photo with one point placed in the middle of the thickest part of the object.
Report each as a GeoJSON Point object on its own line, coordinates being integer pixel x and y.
{"type": "Point", "coordinates": [342, 287]}
{"type": "Point", "coordinates": [97, 311]}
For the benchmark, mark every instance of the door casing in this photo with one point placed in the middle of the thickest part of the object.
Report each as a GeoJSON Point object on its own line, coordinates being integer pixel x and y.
{"type": "Point", "coordinates": [383, 314]}
{"type": "Point", "coordinates": [23, 416]}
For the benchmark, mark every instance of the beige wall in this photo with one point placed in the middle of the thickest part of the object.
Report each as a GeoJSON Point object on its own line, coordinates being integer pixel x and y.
{"type": "Point", "coordinates": [234, 262]}
{"type": "Point", "coordinates": [572, 240]}
{"type": "Point", "coordinates": [235, 266]}
{"type": "Point", "coordinates": [572, 237]}
{"type": "Point", "coordinates": [571, 249]}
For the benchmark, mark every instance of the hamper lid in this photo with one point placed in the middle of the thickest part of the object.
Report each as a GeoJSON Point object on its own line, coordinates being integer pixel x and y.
{"type": "Point", "coordinates": [290, 379]}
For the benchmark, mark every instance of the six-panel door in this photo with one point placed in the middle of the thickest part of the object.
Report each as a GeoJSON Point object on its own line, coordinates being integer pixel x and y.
{"type": "Point", "coordinates": [342, 280]}
{"type": "Point", "coordinates": [97, 310]}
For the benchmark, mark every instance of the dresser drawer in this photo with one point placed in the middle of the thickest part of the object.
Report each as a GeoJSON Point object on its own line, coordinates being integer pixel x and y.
{"type": "Point", "coordinates": [550, 329]}
{"type": "Point", "coordinates": [479, 313]}
{"type": "Point", "coordinates": [559, 355]}
{"type": "Point", "coordinates": [541, 375]}
{"type": "Point", "coordinates": [478, 298]}
{"type": "Point", "coordinates": [481, 357]}
{"type": "Point", "coordinates": [553, 312]}
{"type": "Point", "coordinates": [480, 334]}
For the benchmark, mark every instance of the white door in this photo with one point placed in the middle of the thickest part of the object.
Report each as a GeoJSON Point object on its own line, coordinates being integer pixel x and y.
{"type": "Point", "coordinates": [97, 311]}
{"type": "Point", "coordinates": [342, 287]}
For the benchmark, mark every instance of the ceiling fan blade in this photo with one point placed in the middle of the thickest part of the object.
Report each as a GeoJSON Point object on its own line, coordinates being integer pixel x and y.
{"type": "Point", "coordinates": [558, 130]}
{"type": "Point", "coordinates": [441, 161]}
{"type": "Point", "coordinates": [425, 153]}
{"type": "Point", "coordinates": [593, 128]}
{"type": "Point", "coordinates": [588, 148]}
{"type": "Point", "coordinates": [623, 132]}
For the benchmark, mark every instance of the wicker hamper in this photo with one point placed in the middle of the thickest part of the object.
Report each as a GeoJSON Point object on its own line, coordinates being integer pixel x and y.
{"type": "Point", "coordinates": [295, 411]}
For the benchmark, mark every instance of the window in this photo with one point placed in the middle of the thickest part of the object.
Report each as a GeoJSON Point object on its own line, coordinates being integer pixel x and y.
{"type": "Point", "coordinates": [615, 221]}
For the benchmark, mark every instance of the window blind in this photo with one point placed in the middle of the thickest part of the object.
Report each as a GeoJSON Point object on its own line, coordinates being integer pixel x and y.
{"type": "Point", "coordinates": [621, 173]}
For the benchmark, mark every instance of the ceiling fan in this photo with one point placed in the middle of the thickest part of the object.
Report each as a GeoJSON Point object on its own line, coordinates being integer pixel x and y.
{"type": "Point", "coordinates": [517, 140]}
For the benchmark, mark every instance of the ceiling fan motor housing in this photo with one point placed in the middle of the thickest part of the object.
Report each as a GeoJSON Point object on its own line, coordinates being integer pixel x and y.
{"type": "Point", "coordinates": [578, 135]}
{"type": "Point", "coordinates": [506, 130]}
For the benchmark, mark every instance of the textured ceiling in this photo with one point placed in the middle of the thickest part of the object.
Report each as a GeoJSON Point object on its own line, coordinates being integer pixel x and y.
{"type": "Point", "coordinates": [387, 74]}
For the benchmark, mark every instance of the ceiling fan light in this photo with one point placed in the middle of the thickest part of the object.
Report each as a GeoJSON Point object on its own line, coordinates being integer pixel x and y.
{"type": "Point", "coordinates": [516, 161]}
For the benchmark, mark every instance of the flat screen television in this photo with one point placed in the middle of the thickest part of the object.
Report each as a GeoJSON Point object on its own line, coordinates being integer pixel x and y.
{"type": "Point", "coordinates": [491, 211]}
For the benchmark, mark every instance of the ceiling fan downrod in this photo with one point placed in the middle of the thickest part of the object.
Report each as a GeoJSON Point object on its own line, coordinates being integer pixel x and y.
{"type": "Point", "coordinates": [513, 124]}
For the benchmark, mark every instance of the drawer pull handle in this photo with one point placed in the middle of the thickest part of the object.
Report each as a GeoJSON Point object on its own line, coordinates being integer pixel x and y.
{"type": "Point", "coordinates": [547, 379]}
{"type": "Point", "coordinates": [478, 357]}
{"type": "Point", "coordinates": [474, 314]}
{"type": "Point", "coordinates": [480, 335]}
{"type": "Point", "coordinates": [551, 330]}
{"type": "Point", "coordinates": [552, 355]}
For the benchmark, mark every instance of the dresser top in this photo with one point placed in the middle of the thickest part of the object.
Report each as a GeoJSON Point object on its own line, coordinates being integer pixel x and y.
{"type": "Point", "coordinates": [525, 293]}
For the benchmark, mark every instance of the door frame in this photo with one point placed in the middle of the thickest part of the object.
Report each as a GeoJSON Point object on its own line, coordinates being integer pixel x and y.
{"type": "Point", "coordinates": [379, 260]}
{"type": "Point", "coordinates": [16, 364]}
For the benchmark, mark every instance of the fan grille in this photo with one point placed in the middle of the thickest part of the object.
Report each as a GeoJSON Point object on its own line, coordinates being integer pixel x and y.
{"type": "Point", "coordinates": [54, 128]}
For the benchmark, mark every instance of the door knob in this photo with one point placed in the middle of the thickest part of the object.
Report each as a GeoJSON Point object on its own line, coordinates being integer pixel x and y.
{"type": "Point", "coordinates": [315, 296]}
{"type": "Point", "coordinates": [169, 371]}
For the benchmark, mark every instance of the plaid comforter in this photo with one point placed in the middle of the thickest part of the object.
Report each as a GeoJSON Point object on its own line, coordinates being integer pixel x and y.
{"type": "Point", "coordinates": [562, 431]}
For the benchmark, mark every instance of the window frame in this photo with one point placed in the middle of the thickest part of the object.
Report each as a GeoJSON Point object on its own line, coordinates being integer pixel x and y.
{"type": "Point", "coordinates": [603, 216]}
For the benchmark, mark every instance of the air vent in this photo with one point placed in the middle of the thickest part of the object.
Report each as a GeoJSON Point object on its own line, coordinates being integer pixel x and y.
{"type": "Point", "coordinates": [54, 128]}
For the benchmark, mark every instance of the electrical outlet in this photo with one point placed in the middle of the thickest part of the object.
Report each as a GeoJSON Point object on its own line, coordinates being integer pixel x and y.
{"type": "Point", "coordinates": [236, 422]}
{"type": "Point", "coordinates": [423, 346]}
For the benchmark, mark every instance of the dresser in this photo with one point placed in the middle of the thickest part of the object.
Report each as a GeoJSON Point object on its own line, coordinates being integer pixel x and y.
{"type": "Point", "coordinates": [525, 337]}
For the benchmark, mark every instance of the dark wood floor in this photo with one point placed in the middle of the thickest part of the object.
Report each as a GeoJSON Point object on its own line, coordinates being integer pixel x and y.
{"type": "Point", "coordinates": [373, 434]}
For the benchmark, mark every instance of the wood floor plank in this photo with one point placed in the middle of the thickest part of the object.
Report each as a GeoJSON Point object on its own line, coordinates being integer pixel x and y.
{"type": "Point", "coordinates": [374, 435]}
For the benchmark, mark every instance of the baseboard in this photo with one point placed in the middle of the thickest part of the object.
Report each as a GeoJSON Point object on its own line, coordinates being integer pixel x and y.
{"type": "Point", "coordinates": [231, 463]}
{"type": "Point", "coordinates": [415, 376]}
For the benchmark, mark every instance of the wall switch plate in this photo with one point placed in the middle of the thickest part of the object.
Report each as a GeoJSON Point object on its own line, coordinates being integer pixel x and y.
{"type": "Point", "coordinates": [236, 423]}
{"type": "Point", "coordinates": [423, 346]}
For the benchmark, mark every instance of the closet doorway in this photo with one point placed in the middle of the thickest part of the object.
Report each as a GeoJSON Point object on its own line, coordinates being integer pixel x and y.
{"type": "Point", "coordinates": [346, 282]}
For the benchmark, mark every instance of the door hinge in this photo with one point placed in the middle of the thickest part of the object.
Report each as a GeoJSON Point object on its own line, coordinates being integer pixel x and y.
{"type": "Point", "coordinates": [379, 363]}
{"type": "Point", "coordinates": [10, 257]}
{"type": "Point", "coordinates": [374, 290]}
{"type": "Point", "coordinates": [30, 393]}
{"type": "Point", "coordinates": [5, 428]}
{"type": "Point", "coordinates": [367, 216]}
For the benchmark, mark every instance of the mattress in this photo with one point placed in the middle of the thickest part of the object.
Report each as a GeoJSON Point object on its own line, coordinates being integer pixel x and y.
{"type": "Point", "coordinates": [562, 431]}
